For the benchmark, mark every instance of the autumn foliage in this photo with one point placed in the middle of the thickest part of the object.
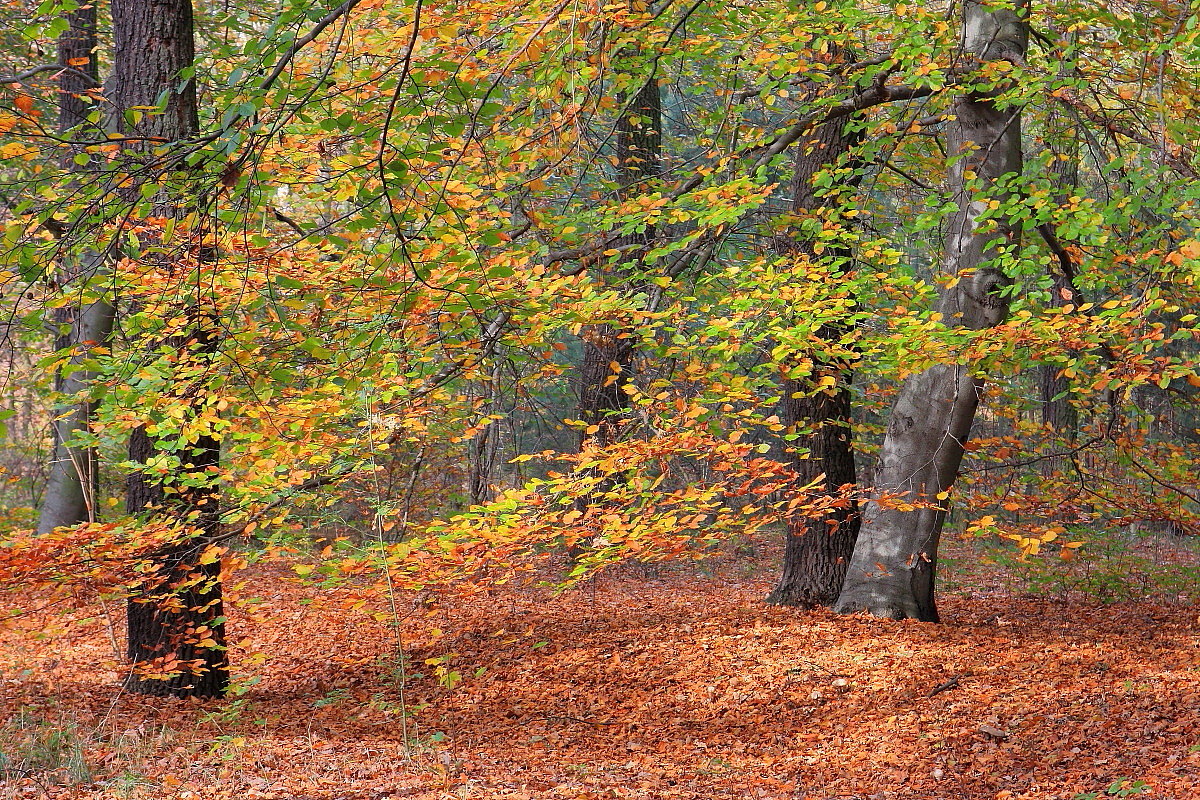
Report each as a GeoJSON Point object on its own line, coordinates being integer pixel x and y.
{"type": "Point", "coordinates": [354, 293]}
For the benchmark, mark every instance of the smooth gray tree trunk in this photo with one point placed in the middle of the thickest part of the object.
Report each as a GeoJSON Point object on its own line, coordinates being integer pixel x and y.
{"type": "Point", "coordinates": [892, 571]}
{"type": "Point", "coordinates": [73, 474]}
{"type": "Point", "coordinates": [72, 482]}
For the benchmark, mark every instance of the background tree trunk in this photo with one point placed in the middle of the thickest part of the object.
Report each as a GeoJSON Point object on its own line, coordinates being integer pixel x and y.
{"type": "Point", "coordinates": [892, 571]}
{"type": "Point", "coordinates": [73, 475]}
{"type": "Point", "coordinates": [1062, 140]}
{"type": "Point", "coordinates": [817, 550]}
{"type": "Point", "coordinates": [177, 620]}
{"type": "Point", "coordinates": [608, 351]}
{"type": "Point", "coordinates": [606, 367]}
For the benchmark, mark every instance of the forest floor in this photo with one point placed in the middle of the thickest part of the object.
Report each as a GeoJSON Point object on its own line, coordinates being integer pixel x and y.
{"type": "Point", "coordinates": [648, 682]}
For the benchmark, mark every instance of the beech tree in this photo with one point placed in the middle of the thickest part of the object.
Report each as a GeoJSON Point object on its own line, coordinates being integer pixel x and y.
{"type": "Point", "coordinates": [892, 570]}
{"type": "Point", "coordinates": [73, 473]}
{"type": "Point", "coordinates": [353, 260]}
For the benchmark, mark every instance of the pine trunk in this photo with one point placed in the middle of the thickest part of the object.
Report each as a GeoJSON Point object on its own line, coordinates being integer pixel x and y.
{"type": "Point", "coordinates": [894, 564]}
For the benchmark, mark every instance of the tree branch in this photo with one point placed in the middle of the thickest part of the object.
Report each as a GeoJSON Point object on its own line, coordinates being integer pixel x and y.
{"type": "Point", "coordinates": [1117, 128]}
{"type": "Point", "coordinates": [21, 77]}
{"type": "Point", "coordinates": [298, 45]}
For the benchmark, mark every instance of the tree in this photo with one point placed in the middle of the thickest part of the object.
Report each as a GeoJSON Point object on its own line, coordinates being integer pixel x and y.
{"type": "Point", "coordinates": [175, 625]}
{"type": "Point", "coordinates": [607, 364]}
{"type": "Point", "coordinates": [817, 407]}
{"type": "Point", "coordinates": [892, 570]}
{"type": "Point", "coordinates": [73, 475]}
{"type": "Point", "coordinates": [1062, 141]}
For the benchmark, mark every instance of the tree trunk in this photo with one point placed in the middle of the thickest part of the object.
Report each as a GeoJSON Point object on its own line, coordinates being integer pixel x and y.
{"type": "Point", "coordinates": [817, 550]}
{"type": "Point", "coordinates": [892, 571]}
{"type": "Point", "coordinates": [1062, 139]}
{"type": "Point", "coordinates": [608, 352]}
{"type": "Point", "coordinates": [175, 625]}
{"type": "Point", "coordinates": [73, 473]}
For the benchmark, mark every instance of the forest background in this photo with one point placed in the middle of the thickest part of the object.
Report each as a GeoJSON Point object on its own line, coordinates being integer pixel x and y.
{"type": "Point", "coordinates": [417, 301]}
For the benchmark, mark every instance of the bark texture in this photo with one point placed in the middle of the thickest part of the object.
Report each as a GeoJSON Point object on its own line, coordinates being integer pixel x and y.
{"type": "Point", "coordinates": [607, 365]}
{"type": "Point", "coordinates": [73, 473]}
{"type": "Point", "coordinates": [892, 571]}
{"type": "Point", "coordinates": [175, 625]}
{"type": "Point", "coordinates": [152, 47]}
{"type": "Point", "coordinates": [817, 551]}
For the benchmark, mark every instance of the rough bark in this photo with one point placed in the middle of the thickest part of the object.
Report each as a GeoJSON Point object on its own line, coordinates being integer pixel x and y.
{"type": "Point", "coordinates": [607, 364]}
{"type": "Point", "coordinates": [178, 615]}
{"type": "Point", "coordinates": [893, 568]}
{"type": "Point", "coordinates": [608, 353]}
{"type": "Point", "coordinates": [175, 622]}
{"type": "Point", "coordinates": [73, 472]}
{"type": "Point", "coordinates": [152, 45]}
{"type": "Point", "coordinates": [818, 550]}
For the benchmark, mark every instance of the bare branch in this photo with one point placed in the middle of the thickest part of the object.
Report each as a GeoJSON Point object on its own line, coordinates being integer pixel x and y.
{"type": "Point", "coordinates": [298, 45]}
{"type": "Point", "coordinates": [21, 77]}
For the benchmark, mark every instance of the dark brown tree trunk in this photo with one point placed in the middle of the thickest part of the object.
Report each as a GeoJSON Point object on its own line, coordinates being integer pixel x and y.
{"type": "Point", "coordinates": [80, 76]}
{"type": "Point", "coordinates": [608, 350]}
{"type": "Point", "coordinates": [176, 627]}
{"type": "Point", "coordinates": [72, 480]}
{"type": "Point", "coordinates": [1062, 139]}
{"type": "Point", "coordinates": [607, 365]}
{"type": "Point", "coordinates": [817, 550]}
{"type": "Point", "coordinates": [152, 45]}
{"type": "Point", "coordinates": [892, 571]}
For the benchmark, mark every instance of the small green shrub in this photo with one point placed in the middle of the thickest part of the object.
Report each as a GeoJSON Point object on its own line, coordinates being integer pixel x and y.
{"type": "Point", "coordinates": [45, 752]}
{"type": "Point", "coordinates": [1111, 566]}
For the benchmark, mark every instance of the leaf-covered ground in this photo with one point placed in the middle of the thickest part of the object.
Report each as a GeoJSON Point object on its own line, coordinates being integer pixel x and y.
{"type": "Point", "coordinates": [675, 682]}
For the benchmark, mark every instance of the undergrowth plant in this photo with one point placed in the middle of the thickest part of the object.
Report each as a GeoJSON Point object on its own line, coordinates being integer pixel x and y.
{"type": "Point", "coordinates": [1112, 566]}
{"type": "Point", "coordinates": [44, 752]}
